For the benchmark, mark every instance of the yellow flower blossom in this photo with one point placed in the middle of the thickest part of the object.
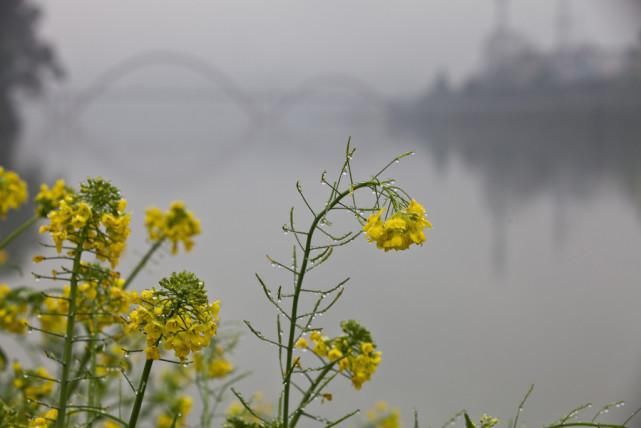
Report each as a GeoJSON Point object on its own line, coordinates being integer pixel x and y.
{"type": "Point", "coordinates": [13, 311]}
{"type": "Point", "coordinates": [402, 229]}
{"type": "Point", "coordinates": [46, 421]}
{"type": "Point", "coordinates": [101, 292]}
{"type": "Point", "coordinates": [179, 411]}
{"type": "Point", "coordinates": [382, 417]}
{"type": "Point", "coordinates": [13, 191]}
{"type": "Point", "coordinates": [48, 199]}
{"type": "Point", "coordinates": [186, 322]}
{"type": "Point", "coordinates": [354, 352]}
{"type": "Point", "coordinates": [177, 225]}
{"type": "Point", "coordinates": [95, 217]}
{"type": "Point", "coordinates": [302, 343]}
{"type": "Point", "coordinates": [33, 384]}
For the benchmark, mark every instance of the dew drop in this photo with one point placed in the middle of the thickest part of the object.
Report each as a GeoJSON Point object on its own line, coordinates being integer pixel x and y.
{"type": "Point", "coordinates": [126, 354]}
{"type": "Point", "coordinates": [344, 173]}
{"type": "Point", "coordinates": [397, 161]}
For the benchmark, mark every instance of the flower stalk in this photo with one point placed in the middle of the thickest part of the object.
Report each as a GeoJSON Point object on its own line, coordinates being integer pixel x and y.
{"type": "Point", "coordinates": [140, 393]}
{"type": "Point", "coordinates": [69, 335]}
{"type": "Point", "coordinates": [293, 315]}
{"type": "Point", "coordinates": [18, 231]}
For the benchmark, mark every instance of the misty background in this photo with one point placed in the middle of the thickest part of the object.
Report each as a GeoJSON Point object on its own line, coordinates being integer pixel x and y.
{"type": "Point", "coordinates": [525, 117]}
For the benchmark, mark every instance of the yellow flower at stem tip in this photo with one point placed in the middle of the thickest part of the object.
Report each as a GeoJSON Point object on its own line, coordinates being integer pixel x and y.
{"type": "Point", "coordinates": [13, 191]}
{"type": "Point", "coordinates": [95, 217]}
{"type": "Point", "coordinates": [177, 225]}
{"type": "Point", "coordinates": [48, 199]}
{"type": "Point", "coordinates": [177, 314]}
{"type": "Point", "coordinates": [399, 231]}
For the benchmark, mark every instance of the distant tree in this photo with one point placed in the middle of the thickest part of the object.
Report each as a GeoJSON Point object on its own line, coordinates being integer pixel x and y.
{"type": "Point", "coordinates": [26, 61]}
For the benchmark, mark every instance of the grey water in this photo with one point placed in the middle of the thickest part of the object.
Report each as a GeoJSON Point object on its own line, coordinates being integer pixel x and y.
{"type": "Point", "coordinates": [525, 278]}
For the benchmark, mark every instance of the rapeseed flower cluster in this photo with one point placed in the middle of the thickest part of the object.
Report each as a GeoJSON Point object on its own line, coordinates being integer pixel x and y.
{"type": "Point", "coordinates": [381, 416]}
{"type": "Point", "coordinates": [13, 191]}
{"type": "Point", "coordinates": [45, 421]}
{"type": "Point", "coordinates": [178, 315]}
{"type": "Point", "coordinates": [213, 365]}
{"type": "Point", "coordinates": [354, 352]}
{"type": "Point", "coordinates": [34, 385]}
{"type": "Point", "coordinates": [101, 301]}
{"type": "Point", "coordinates": [48, 199]}
{"type": "Point", "coordinates": [400, 230]}
{"type": "Point", "coordinates": [177, 224]}
{"type": "Point", "coordinates": [111, 360]}
{"type": "Point", "coordinates": [94, 218]}
{"type": "Point", "coordinates": [179, 411]}
{"type": "Point", "coordinates": [13, 311]}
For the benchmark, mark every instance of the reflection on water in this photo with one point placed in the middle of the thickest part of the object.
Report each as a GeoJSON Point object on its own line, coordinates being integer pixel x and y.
{"type": "Point", "coordinates": [565, 143]}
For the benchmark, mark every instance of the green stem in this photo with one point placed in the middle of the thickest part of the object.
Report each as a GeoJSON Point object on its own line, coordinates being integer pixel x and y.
{"type": "Point", "coordinates": [69, 336]}
{"type": "Point", "coordinates": [140, 393]}
{"type": "Point", "coordinates": [309, 393]}
{"type": "Point", "coordinates": [299, 284]}
{"type": "Point", "coordinates": [18, 231]}
{"type": "Point", "coordinates": [91, 399]}
{"type": "Point", "coordinates": [84, 360]}
{"type": "Point", "coordinates": [203, 390]}
{"type": "Point", "coordinates": [141, 264]}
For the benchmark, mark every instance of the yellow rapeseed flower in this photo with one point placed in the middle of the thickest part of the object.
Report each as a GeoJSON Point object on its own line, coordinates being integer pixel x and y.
{"type": "Point", "coordinates": [45, 421]}
{"type": "Point", "coordinates": [402, 229]}
{"type": "Point", "coordinates": [48, 199]}
{"type": "Point", "coordinates": [13, 311]}
{"type": "Point", "coordinates": [382, 417]}
{"type": "Point", "coordinates": [186, 322]}
{"type": "Point", "coordinates": [354, 352]}
{"type": "Point", "coordinates": [177, 225]}
{"type": "Point", "coordinates": [95, 216]}
{"type": "Point", "coordinates": [13, 191]}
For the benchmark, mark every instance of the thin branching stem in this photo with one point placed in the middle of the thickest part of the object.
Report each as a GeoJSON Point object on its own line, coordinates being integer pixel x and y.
{"type": "Point", "coordinates": [297, 290]}
{"type": "Point", "coordinates": [18, 231]}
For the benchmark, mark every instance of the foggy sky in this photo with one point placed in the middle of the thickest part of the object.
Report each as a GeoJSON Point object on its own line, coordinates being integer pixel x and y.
{"type": "Point", "coordinates": [394, 45]}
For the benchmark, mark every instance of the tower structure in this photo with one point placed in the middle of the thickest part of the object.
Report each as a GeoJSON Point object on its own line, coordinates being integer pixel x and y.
{"type": "Point", "coordinates": [563, 25]}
